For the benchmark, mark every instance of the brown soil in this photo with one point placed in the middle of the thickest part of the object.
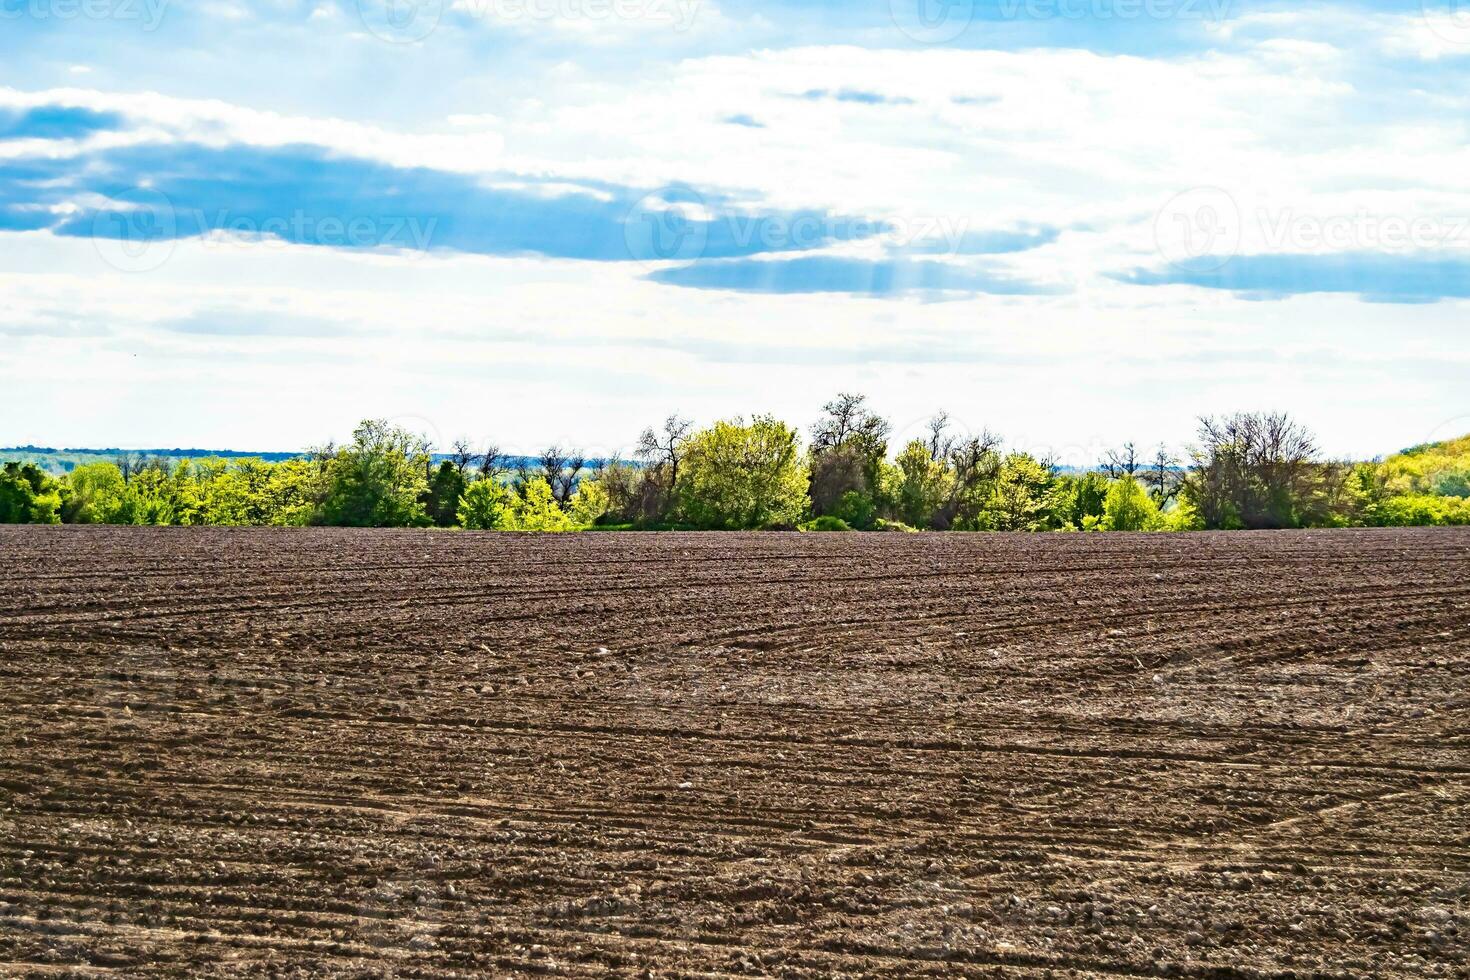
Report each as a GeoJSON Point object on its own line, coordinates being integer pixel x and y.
{"type": "Point", "coordinates": [288, 753]}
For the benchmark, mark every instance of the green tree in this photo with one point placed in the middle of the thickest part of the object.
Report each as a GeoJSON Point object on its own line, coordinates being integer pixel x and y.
{"type": "Point", "coordinates": [441, 500]}
{"type": "Point", "coordinates": [28, 495]}
{"type": "Point", "coordinates": [537, 510]}
{"type": "Point", "coordinates": [154, 497]}
{"type": "Point", "coordinates": [744, 476]}
{"type": "Point", "coordinates": [1075, 503]}
{"type": "Point", "coordinates": [1128, 507]}
{"type": "Point", "coordinates": [1018, 496]}
{"type": "Point", "coordinates": [94, 494]}
{"type": "Point", "coordinates": [849, 444]}
{"type": "Point", "coordinates": [589, 503]}
{"type": "Point", "coordinates": [377, 481]}
{"type": "Point", "coordinates": [486, 505]}
{"type": "Point", "coordinates": [1257, 470]}
{"type": "Point", "coordinates": [920, 485]}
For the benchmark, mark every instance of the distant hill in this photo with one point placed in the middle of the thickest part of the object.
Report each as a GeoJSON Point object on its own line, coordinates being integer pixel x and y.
{"type": "Point", "coordinates": [58, 461]}
{"type": "Point", "coordinates": [1439, 468]}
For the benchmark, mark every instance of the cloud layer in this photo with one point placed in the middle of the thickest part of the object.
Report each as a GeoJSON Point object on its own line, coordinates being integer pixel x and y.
{"type": "Point", "coordinates": [950, 205]}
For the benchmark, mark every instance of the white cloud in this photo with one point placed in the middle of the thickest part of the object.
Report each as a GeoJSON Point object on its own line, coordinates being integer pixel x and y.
{"type": "Point", "coordinates": [1293, 115]}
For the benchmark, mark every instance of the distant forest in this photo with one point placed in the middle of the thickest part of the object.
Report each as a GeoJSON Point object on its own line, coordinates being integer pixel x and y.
{"type": "Point", "coordinates": [1244, 471]}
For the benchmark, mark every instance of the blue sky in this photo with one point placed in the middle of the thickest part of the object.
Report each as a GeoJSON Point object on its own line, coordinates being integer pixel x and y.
{"type": "Point", "coordinates": [247, 224]}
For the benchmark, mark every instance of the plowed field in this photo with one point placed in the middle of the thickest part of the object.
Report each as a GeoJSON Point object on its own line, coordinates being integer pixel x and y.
{"type": "Point", "coordinates": [297, 752]}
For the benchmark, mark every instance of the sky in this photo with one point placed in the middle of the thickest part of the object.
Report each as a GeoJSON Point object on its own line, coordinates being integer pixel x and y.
{"type": "Point", "coordinates": [247, 225]}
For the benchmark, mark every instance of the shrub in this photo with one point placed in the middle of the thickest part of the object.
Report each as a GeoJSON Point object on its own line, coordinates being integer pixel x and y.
{"type": "Point", "coordinates": [855, 509]}
{"type": "Point", "coordinates": [378, 481]}
{"type": "Point", "coordinates": [536, 509]}
{"type": "Point", "coordinates": [1414, 510]}
{"type": "Point", "coordinates": [826, 522]}
{"type": "Point", "coordinates": [744, 476]}
{"type": "Point", "coordinates": [1128, 507]}
{"type": "Point", "coordinates": [590, 503]}
{"type": "Point", "coordinates": [28, 495]}
{"type": "Point", "coordinates": [485, 505]}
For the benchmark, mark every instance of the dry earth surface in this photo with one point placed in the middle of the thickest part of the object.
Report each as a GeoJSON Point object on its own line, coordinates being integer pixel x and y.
{"type": "Point", "coordinates": [402, 753]}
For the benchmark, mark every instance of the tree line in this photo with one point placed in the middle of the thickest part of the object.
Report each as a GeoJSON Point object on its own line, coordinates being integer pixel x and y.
{"type": "Point", "coordinates": [1247, 470]}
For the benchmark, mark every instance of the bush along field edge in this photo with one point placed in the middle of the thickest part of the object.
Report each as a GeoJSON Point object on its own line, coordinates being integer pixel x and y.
{"type": "Point", "coordinates": [1247, 470]}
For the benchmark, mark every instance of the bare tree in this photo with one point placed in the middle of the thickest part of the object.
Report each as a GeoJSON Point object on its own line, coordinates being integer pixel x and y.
{"type": "Point", "coordinates": [525, 472]}
{"type": "Point", "coordinates": [976, 459]}
{"type": "Point", "coordinates": [553, 460]}
{"type": "Point", "coordinates": [1162, 476]}
{"type": "Point", "coordinates": [463, 455]}
{"type": "Point", "coordinates": [124, 463]}
{"type": "Point", "coordinates": [847, 418]}
{"type": "Point", "coordinates": [1259, 470]}
{"type": "Point", "coordinates": [975, 463]}
{"type": "Point", "coordinates": [567, 485]}
{"type": "Point", "coordinates": [560, 469]}
{"type": "Point", "coordinates": [940, 443]}
{"type": "Point", "coordinates": [662, 452]}
{"type": "Point", "coordinates": [492, 462]}
{"type": "Point", "coordinates": [131, 464]}
{"type": "Point", "coordinates": [1119, 463]}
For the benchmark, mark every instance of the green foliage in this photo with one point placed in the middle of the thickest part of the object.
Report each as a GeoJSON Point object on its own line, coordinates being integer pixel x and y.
{"type": "Point", "coordinates": [486, 505]}
{"type": "Point", "coordinates": [1128, 507]}
{"type": "Point", "coordinates": [378, 481]}
{"type": "Point", "coordinates": [826, 522]}
{"type": "Point", "coordinates": [856, 509]}
{"type": "Point", "coordinates": [489, 505]}
{"type": "Point", "coordinates": [1249, 471]}
{"type": "Point", "coordinates": [1180, 517]}
{"type": "Point", "coordinates": [96, 492]}
{"type": "Point", "coordinates": [919, 485]}
{"type": "Point", "coordinates": [1018, 496]}
{"type": "Point", "coordinates": [28, 495]}
{"type": "Point", "coordinates": [441, 500]}
{"type": "Point", "coordinates": [1075, 503]}
{"type": "Point", "coordinates": [1412, 510]}
{"type": "Point", "coordinates": [590, 503]}
{"type": "Point", "coordinates": [744, 476]}
{"type": "Point", "coordinates": [536, 509]}
{"type": "Point", "coordinates": [1438, 468]}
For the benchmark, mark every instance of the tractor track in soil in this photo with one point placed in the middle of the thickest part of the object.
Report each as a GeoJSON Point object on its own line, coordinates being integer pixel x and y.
{"type": "Point", "coordinates": [289, 752]}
